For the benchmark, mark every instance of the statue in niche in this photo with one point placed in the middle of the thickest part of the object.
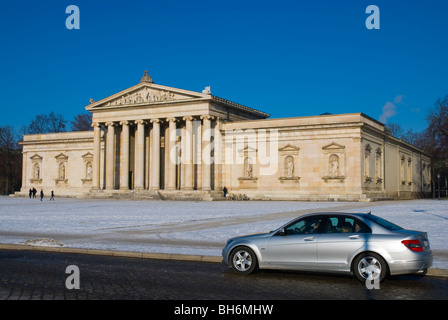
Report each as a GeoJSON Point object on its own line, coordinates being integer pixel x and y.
{"type": "Point", "coordinates": [402, 169]}
{"type": "Point", "coordinates": [334, 165]}
{"type": "Point", "coordinates": [36, 172]}
{"type": "Point", "coordinates": [289, 166]}
{"type": "Point", "coordinates": [61, 171]}
{"type": "Point", "coordinates": [248, 169]}
{"type": "Point", "coordinates": [89, 171]}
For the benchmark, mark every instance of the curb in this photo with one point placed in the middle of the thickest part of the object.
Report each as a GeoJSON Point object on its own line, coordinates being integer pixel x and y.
{"type": "Point", "coordinates": [124, 254]}
{"type": "Point", "coordinates": [442, 273]}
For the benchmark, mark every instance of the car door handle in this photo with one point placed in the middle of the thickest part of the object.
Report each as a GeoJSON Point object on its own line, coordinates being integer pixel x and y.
{"type": "Point", "coordinates": [354, 237]}
{"type": "Point", "coordinates": [309, 239]}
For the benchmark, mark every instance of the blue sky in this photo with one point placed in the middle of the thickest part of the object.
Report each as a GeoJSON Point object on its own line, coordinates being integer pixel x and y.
{"type": "Point", "coordinates": [286, 58]}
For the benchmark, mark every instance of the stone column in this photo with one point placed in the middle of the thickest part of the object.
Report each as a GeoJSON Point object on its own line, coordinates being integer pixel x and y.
{"type": "Point", "coordinates": [182, 158]}
{"type": "Point", "coordinates": [140, 156]}
{"type": "Point", "coordinates": [187, 154]}
{"type": "Point", "coordinates": [96, 165]}
{"type": "Point", "coordinates": [110, 154]}
{"type": "Point", "coordinates": [218, 156]}
{"type": "Point", "coordinates": [170, 141]}
{"type": "Point", "coordinates": [124, 156]}
{"type": "Point", "coordinates": [155, 155]}
{"type": "Point", "coordinates": [206, 150]}
{"type": "Point", "coordinates": [24, 171]}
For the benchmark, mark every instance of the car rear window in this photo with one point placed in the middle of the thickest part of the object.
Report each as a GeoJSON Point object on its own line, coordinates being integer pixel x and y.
{"type": "Point", "coordinates": [384, 223]}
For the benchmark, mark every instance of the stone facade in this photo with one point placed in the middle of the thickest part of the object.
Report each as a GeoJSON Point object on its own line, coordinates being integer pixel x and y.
{"type": "Point", "coordinates": [153, 141]}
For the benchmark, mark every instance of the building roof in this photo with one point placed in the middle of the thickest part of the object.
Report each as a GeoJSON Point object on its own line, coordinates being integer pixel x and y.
{"type": "Point", "coordinates": [148, 93]}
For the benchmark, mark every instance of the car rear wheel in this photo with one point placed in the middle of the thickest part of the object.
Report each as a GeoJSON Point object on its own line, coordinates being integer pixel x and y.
{"type": "Point", "coordinates": [243, 260]}
{"type": "Point", "coordinates": [371, 266]}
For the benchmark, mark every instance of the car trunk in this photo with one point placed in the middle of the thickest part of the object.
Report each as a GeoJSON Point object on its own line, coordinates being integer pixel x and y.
{"type": "Point", "coordinates": [418, 235]}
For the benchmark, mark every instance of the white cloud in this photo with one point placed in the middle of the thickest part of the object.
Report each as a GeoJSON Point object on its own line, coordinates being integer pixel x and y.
{"type": "Point", "coordinates": [389, 110]}
{"type": "Point", "coordinates": [399, 99]}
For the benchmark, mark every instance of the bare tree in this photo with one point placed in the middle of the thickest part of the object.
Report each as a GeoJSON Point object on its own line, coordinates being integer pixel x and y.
{"type": "Point", "coordinates": [82, 122]}
{"type": "Point", "coordinates": [56, 122]}
{"type": "Point", "coordinates": [394, 129]}
{"type": "Point", "coordinates": [37, 125]}
{"type": "Point", "coordinates": [43, 123]}
{"type": "Point", "coordinates": [10, 161]}
{"type": "Point", "coordinates": [438, 127]}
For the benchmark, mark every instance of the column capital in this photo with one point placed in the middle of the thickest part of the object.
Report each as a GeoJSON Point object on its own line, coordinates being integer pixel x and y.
{"type": "Point", "coordinates": [171, 119]}
{"type": "Point", "coordinates": [188, 118]}
{"type": "Point", "coordinates": [125, 123]}
{"type": "Point", "coordinates": [110, 124]}
{"type": "Point", "coordinates": [155, 120]}
{"type": "Point", "coordinates": [96, 124]}
{"type": "Point", "coordinates": [140, 121]}
{"type": "Point", "coordinates": [207, 117]}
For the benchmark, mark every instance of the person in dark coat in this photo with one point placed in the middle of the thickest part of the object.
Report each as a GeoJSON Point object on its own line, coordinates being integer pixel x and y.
{"type": "Point", "coordinates": [225, 191]}
{"type": "Point", "coordinates": [41, 194]}
{"type": "Point", "coordinates": [52, 195]}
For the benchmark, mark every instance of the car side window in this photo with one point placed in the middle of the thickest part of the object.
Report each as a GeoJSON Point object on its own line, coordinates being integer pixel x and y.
{"type": "Point", "coordinates": [305, 226]}
{"type": "Point", "coordinates": [360, 227]}
{"type": "Point", "coordinates": [341, 224]}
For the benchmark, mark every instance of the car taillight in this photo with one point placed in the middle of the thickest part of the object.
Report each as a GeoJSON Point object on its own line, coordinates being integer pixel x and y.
{"type": "Point", "coordinates": [414, 245]}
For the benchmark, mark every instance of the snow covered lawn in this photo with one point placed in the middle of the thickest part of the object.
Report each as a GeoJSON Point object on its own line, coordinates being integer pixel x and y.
{"type": "Point", "coordinates": [189, 227]}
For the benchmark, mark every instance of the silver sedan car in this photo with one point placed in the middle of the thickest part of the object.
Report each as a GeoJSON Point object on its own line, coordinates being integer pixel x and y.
{"type": "Point", "coordinates": [361, 244]}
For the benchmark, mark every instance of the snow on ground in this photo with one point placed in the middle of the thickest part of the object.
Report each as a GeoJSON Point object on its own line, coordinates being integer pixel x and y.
{"type": "Point", "coordinates": [189, 227]}
{"type": "Point", "coordinates": [82, 215]}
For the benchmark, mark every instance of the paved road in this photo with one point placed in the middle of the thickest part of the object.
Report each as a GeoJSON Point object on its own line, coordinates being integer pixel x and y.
{"type": "Point", "coordinates": [41, 276]}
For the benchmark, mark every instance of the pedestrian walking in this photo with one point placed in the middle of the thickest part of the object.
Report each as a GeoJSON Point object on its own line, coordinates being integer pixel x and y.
{"type": "Point", "coordinates": [52, 195]}
{"type": "Point", "coordinates": [30, 192]}
{"type": "Point", "coordinates": [34, 192]}
{"type": "Point", "coordinates": [41, 194]}
{"type": "Point", "coordinates": [225, 191]}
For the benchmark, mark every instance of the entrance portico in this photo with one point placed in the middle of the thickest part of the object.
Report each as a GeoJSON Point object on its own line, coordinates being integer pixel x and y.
{"type": "Point", "coordinates": [158, 137]}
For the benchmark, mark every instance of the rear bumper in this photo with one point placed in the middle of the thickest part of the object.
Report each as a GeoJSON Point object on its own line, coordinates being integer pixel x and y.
{"type": "Point", "coordinates": [417, 262]}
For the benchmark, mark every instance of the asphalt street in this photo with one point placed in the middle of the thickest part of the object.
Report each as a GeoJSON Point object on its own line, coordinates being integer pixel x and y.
{"type": "Point", "coordinates": [34, 275]}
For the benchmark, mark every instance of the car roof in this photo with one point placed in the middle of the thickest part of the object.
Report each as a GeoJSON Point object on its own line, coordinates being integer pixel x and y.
{"type": "Point", "coordinates": [338, 213]}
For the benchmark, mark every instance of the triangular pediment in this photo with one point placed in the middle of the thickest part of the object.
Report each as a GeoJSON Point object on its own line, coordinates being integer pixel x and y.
{"type": "Point", "coordinates": [248, 150]}
{"type": "Point", "coordinates": [145, 94]}
{"type": "Point", "coordinates": [36, 158]}
{"type": "Point", "coordinates": [333, 146]}
{"type": "Point", "coordinates": [289, 147]}
{"type": "Point", "coordinates": [87, 156]}
{"type": "Point", "coordinates": [61, 157]}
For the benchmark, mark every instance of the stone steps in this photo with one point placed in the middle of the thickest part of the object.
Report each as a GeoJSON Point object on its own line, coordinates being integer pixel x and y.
{"type": "Point", "coordinates": [195, 195]}
{"type": "Point", "coordinates": [123, 194]}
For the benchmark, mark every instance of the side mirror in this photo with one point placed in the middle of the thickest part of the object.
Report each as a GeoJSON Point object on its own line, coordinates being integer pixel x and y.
{"type": "Point", "coordinates": [281, 232]}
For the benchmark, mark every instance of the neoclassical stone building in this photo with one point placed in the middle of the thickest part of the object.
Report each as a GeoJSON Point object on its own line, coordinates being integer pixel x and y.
{"type": "Point", "coordinates": [154, 141]}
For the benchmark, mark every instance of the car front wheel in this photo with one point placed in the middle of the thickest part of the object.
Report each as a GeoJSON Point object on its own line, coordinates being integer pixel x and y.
{"type": "Point", "coordinates": [243, 260]}
{"type": "Point", "coordinates": [369, 266]}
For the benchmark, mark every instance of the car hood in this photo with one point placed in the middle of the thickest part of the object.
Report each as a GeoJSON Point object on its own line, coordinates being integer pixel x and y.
{"type": "Point", "coordinates": [251, 236]}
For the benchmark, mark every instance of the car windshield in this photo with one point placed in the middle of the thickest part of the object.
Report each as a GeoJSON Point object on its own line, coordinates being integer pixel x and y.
{"type": "Point", "coordinates": [384, 223]}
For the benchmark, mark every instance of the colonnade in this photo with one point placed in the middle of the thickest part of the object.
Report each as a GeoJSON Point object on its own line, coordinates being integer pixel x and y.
{"type": "Point", "coordinates": [179, 135]}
